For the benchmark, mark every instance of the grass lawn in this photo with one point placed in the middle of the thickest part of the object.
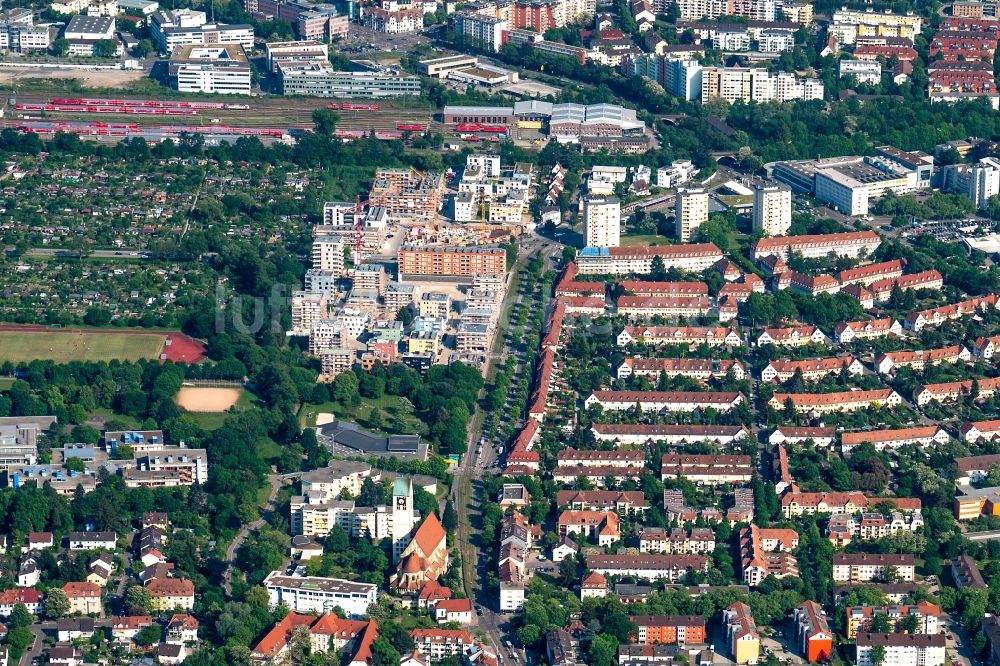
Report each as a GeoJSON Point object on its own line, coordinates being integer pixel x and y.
{"type": "Point", "coordinates": [645, 239]}
{"type": "Point", "coordinates": [268, 450]}
{"type": "Point", "coordinates": [390, 405]}
{"type": "Point", "coordinates": [6, 383]}
{"type": "Point", "coordinates": [66, 346]}
{"type": "Point", "coordinates": [214, 420]}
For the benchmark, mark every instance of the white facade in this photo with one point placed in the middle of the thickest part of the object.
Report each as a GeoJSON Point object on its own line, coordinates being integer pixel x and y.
{"type": "Point", "coordinates": [757, 85]}
{"type": "Point", "coordinates": [314, 594]}
{"type": "Point", "coordinates": [772, 209]}
{"type": "Point", "coordinates": [682, 77]}
{"type": "Point", "coordinates": [678, 173]}
{"type": "Point", "coordinates": [601, 221]}
{"type": "Point", "coordinates": [866, 71]}
{"type": "Point", "coordinates": [690, 211]}
{"type": "Point", "coordinates": [211, 77]}
{"type": "Point", "coordinates": [328, 254]}
{"type": "Point", "coordinates": [984, 181]}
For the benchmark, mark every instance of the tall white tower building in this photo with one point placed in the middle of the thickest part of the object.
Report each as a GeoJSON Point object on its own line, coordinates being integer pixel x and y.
{"type": "Point", "coordinates": [772, 208]}
{"type": "Point", "coordinates": [602, 221]}
{"type": "Point", "coordinates": [690, 211]}
{"type": "Point", "coordinates": [328, 254]}
{"type": "Point", "coordinates": [984, 181]}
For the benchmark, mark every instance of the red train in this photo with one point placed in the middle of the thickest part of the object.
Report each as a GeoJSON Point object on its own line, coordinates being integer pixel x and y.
{"type": "Point", "coordinates": [469, 127]}
{"type": "Point", "coordinates": [88, 101]}
{"type": "Point", "coordinates": [491, 129]}
{"type": "Point", "coordinates": [354, 107]}
{"type": "Point", "coordinates": [411, 128]}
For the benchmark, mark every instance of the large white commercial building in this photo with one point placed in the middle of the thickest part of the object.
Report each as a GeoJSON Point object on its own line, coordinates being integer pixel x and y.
{"type": "Point", "coordinates": [315, 594]}
{"type": "Point", "coordinates": [751, 84]}
{"type": "Point", "coordinates": [211, 68]}
{"type": "Point", "coordinates": [180, 27]}
{"type": "Point", "coordinates": [849, 184]}
{"type": "Point", "coordinates": [772, 208]}
{"type": "Point", "coordinates": [690, 211]}
{"type": "Point", "coordinates": [601, 221]}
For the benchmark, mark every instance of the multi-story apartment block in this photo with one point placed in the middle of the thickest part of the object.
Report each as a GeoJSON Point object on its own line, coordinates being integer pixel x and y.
{"type": "Point", "coordinates": [851, 244]}
{"type": "Point", "coordinates": [813, 632]}
{"type": "Point", "coordinates": [741, 633]}
{"type": "Point", "coordinates": [690, 212]}
{"type": "Point", "coordinates": [772, 208]}
{"type": "Point", "coordinates": [669, 629]}
{"type": "Point", "coordinates": [669, 401]}
{"type": "Point", "coordinates": [868, 567]}
{"type": "Point", "coordinates": [601, 221]}
{"type": "Point", "coordinates": [811, 369]}
{"type": "Point", "coordinates": [638, 259]}
{"type": "Point", "coordinates": [707, 469]}
{"type": "Point", "coordinates": [767, 552]}
{"type": "Point", "coordinates": [452, 262]}
{"type": "Point", "coordinates": [750, 84]}
{"type": "Point", "coordinates": [900, 648]}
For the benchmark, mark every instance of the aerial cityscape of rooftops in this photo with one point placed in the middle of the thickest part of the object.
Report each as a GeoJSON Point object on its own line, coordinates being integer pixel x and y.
{"type": "Point", "coordinates": [499, 333]}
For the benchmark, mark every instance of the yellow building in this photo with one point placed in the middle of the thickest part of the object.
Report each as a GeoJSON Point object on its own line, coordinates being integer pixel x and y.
{"type": "Point", "coordinates": [425, 342]}
{"type": "Point", "coordinates": [798, 12]}
{"type": "Point", "coordinates": [975, 502]}
{"type": "Point", "coordinates": [741, 629]}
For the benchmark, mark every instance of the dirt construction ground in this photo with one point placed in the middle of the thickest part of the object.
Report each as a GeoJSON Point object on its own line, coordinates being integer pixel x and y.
{"type": "Point", "coordinates": [103, 78]}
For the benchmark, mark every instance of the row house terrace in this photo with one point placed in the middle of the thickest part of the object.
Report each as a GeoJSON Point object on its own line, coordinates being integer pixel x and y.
{"type": "Point", "coordinates": [975, 468]}
{"type": "Point", "coordinates": [691, 336]}
{"type": "Point", "coordinates": [836, 503]}
{"type": "Point", "coordinates": [811, 369]}
{"type": "Point", "coordinates": [671, 568]}
{"type": "Point", "coordinates": [638, 434]}
{"type": "Point", "coordinates": [576, 457]}
{"type": "Point", "coordinates": [638, 259]}
{"type": "Point", "coordinates": [843, 401]}
{"type": "Point", "coordinates": [792, 337]}
{"type": "Point", "coordinates": [882, 289]}
{"type": "Point", "coordinates": [986, 348]}
{"type": "Point", "coordinates": [866, 567]}
{"type": "Point", "coordinates": [924, 394]}
{"type": "Point", "coordinates": [665, 289]}
{"type": "Point", "coordinates": [865, 275]}
{"type": "Point", "coordinates": [917, 321]}
{"type": "Point", "coordinates": [597, 475]}
{"type": "Point", "coordinates": [920, 359]}
{"type": "Point", "coordinates": [851, 244]}
{"type": "Point", "coordinates": [676, 541]}
{"type": "Point", "coordinates": [818, 435]}
{"type": "Point", "coordinates": [922, 436]}
{"type": "Point", "coordinates": [873, 329]}
{"type": "Point", "coordinates": [976, 431]}
{"type": "Point", "coordinates": [625, 502]}
{"type": "Point", "coordinates": [664, 306]}
{"type": "Point", "coordinates": [707, 469]}
{"type": "Point", "coordinates": [695, 368]}
{"type": "Point", "coordinates": [665, 401]}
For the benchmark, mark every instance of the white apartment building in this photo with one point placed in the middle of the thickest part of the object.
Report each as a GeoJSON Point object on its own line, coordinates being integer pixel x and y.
{"type": "Point", "coordinates": [678, 173]}
{"type": "Point", "coordinates": [315, 594]}
{"type": "Point", "coordinates": [984, 181]}
{"type": "Point", "coordinates": [690, 211]}
{"type": "Point", "coordinates": [751, 84]}
{"type": "Point", "coordinates": [328, 254]}
{"type": "Point", "coordinates": [867, 567]}
{"type": "Point", "coordinates": [482, 29]}
{"type": "Point", "coordinates": [307, 309]}
{"type": "Point", "coordinates": [865, 71]}
{"type": "Point", "coordinates": [772, 209]}
{"type": "Point", "coordinates": [601, 221]}
{"type": "Point", "coordinates": [901, 649]}
{"type": "Point", "coordinates": [682, 77]}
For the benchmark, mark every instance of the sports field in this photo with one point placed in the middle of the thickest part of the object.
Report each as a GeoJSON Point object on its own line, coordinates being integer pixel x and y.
{"type": "Point", "coordinates": [65, 346]}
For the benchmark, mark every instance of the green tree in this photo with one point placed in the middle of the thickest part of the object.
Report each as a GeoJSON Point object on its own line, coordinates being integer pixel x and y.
{"type": "Point", "coordinates": [405, 315]}
{"type": "Point", "coordinates": [383, 653]}
{"type": "Point", "coordinates": [56, 604]}
{"type": "Point", "coordinates": [137, 600]}
{"type": "Point", "coordinates": [602, 650]}
{"type": "Point", "coordinates": [150, 635]}
{"type": "Point", "coordinates": [60, 47]}
{"type": "Point", "coordinates": [878, 655]}
{"type": "Point", "coordinates": [20, 616]}
{"type": "Point", "coordinates": [105, 48]}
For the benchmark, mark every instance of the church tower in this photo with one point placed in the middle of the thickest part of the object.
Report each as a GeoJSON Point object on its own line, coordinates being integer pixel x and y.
{"type": "Point", "coordinates": [402, 516]}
